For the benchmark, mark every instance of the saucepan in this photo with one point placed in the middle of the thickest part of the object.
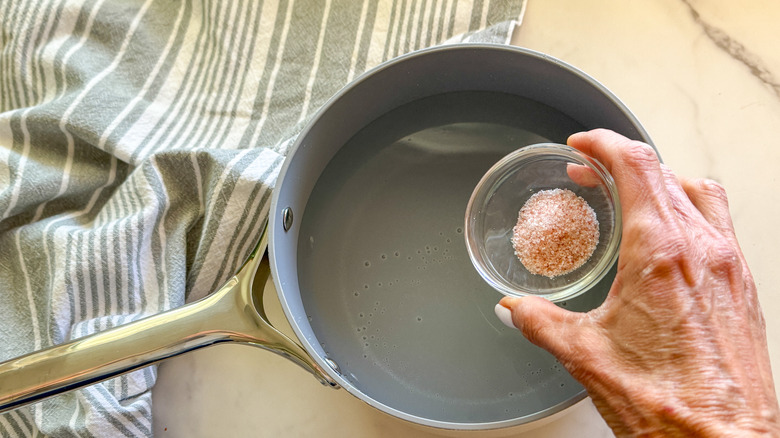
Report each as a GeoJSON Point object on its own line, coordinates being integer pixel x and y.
{"type": "Point", "coordinates": [365, 246]}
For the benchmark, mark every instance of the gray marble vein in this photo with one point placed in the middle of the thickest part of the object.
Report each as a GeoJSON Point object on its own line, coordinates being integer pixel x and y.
{"type": "Point", "coordinates": [735, 49]}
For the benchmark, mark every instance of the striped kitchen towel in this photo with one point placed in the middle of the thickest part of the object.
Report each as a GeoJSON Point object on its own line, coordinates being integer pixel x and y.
{"type": "Point", "coordinates": [139, 142]}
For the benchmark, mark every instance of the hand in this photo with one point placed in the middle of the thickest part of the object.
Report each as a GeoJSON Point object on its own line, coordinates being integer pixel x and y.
{"type": "Point", "coordinates": [678, 348]}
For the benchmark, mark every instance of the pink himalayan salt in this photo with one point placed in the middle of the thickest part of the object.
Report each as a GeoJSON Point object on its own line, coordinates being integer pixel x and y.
{"type": "Point", "coordinates": [556, 233]}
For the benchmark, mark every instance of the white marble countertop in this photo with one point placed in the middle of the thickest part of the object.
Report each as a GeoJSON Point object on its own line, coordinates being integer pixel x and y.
{"type": "Point", "coordinates": [704, 79]}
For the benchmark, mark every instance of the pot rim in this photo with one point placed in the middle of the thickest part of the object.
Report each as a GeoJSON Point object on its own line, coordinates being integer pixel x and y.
{"type": "Point", "coordinates": [276, 221]}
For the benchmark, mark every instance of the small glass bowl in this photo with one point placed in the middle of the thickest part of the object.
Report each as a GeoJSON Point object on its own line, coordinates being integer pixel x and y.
{"type": "Point", "coordinates": [494, 206]}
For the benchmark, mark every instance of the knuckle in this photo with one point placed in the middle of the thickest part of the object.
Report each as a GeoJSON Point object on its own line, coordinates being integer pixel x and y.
{"type": "Point", "coordinates": [721, 250]}
{"type": "Point", "coordinates": [639, 155]}
{"type": "Point", "coordinates": [723, 257]}
{"type": "Point", "coordinates": [713, 189]}
{"type": "Point", "coordinates": [667, 255]}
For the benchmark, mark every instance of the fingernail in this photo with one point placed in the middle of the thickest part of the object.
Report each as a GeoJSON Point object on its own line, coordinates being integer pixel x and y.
{"type": "Point", "coordinates": [509, 302]}
{"type": "Point", "coordinates": [504, 315]}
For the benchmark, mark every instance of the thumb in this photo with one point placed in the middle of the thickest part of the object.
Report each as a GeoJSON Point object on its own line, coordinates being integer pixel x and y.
{"type": "Point", "coordinates": [541, 321]}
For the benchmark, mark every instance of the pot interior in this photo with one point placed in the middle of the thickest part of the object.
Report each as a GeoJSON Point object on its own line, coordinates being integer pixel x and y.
{"type": "Point", "coordinates": [385, 277]}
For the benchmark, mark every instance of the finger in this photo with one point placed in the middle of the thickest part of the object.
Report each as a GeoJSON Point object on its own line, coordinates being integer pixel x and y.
{"type": "Point", "coordinates": [504, 315]}
{"type": "Point", "coordinates": [634, 166]}
{"type": "Point", "coordinates": [542, 322]}
{"type": "Point", "coordinates": [710, 199]}
{"type": "Point", "coordinates": [680, 200]}
{"type": "Point", "coordinates": [582, 175]}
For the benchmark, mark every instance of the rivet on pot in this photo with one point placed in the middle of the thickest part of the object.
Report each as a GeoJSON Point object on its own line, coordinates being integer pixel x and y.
{"type": "Point", "coordinates": [287, 218]}
{"type": "Point", "coordinates": [333, 364]}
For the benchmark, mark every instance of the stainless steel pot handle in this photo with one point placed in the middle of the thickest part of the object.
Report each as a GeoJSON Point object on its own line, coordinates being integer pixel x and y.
{"type": "Point", "coordinates": [234, 313]}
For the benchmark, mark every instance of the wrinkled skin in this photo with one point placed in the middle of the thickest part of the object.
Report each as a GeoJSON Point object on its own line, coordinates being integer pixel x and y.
{"type": "Point", "coordinates": [678, 348]}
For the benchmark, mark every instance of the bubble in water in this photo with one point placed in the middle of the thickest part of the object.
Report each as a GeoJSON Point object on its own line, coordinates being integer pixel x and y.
{"type": "Point", "coordinates": [383, 256]}
{"type": "Point", "coordinates": [365, 286]}
{"type": "Point", "coordinates": [419, 319]}
{"type": "Point", "coordinates": [357, 294]}
{"type": "Point", "coordinates": [408, 257]}
{"type": "Point", "coordinates": [449, 240]}
{"type": "Point", "coordinates": [361, 315]}
{"type": "Point", "coordinates": [397, 254]}
{"type": "Point", "coordinates": [459, 230]}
